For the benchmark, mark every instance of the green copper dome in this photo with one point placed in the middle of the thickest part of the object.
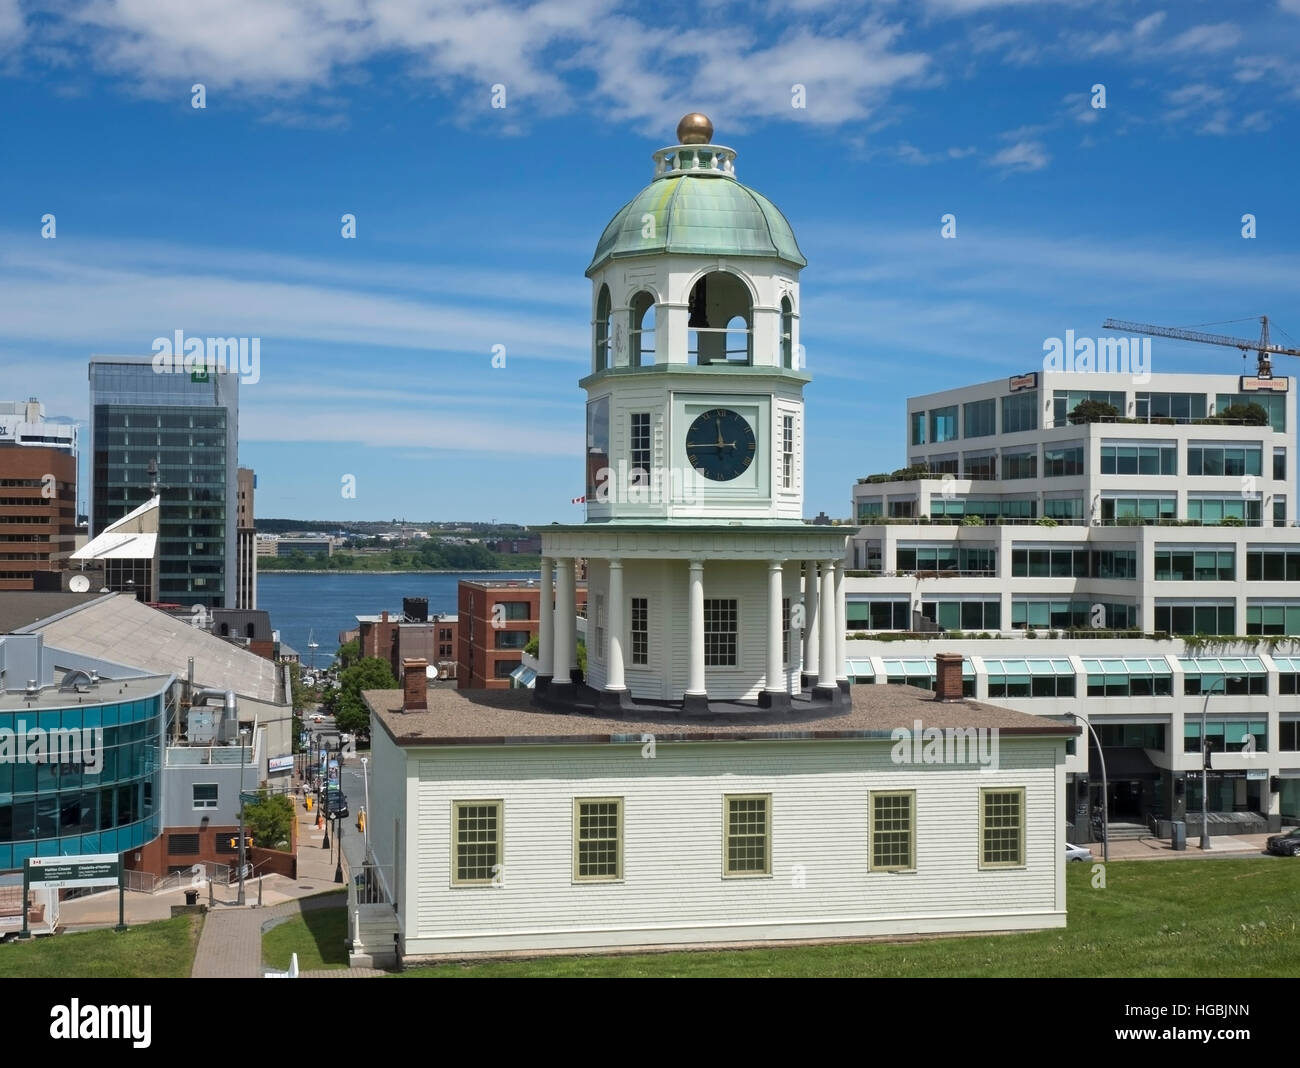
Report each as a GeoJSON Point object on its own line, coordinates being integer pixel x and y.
{"type": "Point", "coordinates": [700, 214]}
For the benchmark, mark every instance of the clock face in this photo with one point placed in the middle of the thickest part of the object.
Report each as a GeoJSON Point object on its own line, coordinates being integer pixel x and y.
{"type": "Point", "coordinates": [720, 444]}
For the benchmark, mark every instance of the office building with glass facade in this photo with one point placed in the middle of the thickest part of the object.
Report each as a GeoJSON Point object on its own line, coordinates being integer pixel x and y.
{"type": "Point", "coordinates": [80, 756]}
{"type": "Point", "coordinates": [174, 434]}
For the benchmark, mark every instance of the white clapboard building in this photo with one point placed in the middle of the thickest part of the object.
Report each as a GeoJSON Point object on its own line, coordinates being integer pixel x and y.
{"type": "Point", "coordinates": [712, 777]}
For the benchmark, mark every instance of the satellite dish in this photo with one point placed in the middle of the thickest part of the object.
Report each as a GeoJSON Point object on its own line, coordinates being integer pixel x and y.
{"type": "Point", "coordinates": [78, 584]}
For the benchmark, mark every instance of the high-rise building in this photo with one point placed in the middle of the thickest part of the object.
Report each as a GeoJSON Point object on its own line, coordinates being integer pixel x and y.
{"type": "Point", "coordinates": [38, 493]}
{"type": "Point", "coordinates": [1106, 548]}
{"type": "Point", "coordinates": [245, 531]}
{"type": "Point", "coordinates": [173, 434]}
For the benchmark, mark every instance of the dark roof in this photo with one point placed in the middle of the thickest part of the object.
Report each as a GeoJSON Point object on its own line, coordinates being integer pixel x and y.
{"type": "Point", "coordinates": [500, 717]}
{"type": "Point", "coordinates": [22, 608]}
{"type": "Point", "coordinates": [238, 620]}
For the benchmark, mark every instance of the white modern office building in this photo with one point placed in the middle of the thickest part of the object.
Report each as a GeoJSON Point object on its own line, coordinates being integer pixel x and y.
{"type": "Point", "coordinates": [1157, 510]}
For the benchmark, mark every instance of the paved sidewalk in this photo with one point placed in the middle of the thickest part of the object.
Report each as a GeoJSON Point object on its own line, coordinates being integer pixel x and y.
{"type": "Point", "coordinates": [1161, 848]}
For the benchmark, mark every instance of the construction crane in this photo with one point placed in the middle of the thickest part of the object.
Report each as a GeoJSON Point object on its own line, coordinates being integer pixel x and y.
{"type": "Point", "coordinates": [1263, 346]}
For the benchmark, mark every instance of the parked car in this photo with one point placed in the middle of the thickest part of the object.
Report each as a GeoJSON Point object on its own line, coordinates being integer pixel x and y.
{"type": "Point", "coordinates": [1074, 852]}
{"type": "Point", "coordinates": [1285, 845]}
{"type": "Point", "coordinates": [336, 805]}
{"type": "Point", "coordinates": [318, 718]}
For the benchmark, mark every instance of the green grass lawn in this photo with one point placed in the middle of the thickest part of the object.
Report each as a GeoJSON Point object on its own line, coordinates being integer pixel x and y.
{"type": "Point", "coordinates": [1219, 918]}
{"type": "Point", "coordinates": [162, 950]}
{"type": "Point", "coordinates": [317, 936]}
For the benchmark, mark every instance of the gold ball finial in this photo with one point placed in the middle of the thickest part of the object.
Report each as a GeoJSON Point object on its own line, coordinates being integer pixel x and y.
{"type": "Point", "coordinates": [694, 129]}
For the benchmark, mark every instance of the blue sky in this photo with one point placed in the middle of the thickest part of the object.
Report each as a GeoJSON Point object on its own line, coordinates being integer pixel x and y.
{"type": "Point", "coordinates": [474, 223]}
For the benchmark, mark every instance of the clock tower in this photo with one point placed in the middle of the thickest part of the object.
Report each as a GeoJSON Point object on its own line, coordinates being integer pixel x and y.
{"type": "Point", "coordinates": [705, 588]}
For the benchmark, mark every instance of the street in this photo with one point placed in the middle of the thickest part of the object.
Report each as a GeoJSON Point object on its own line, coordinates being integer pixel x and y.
{"type": "Point", "coordinates": [352, 783]}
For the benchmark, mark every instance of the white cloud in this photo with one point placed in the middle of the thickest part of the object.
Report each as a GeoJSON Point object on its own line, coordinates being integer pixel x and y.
{"type": "Point", "coordinates": [1206, 38]}
{"type": "Point", "coordinates": [11, 23]}
{"type": "Point", "coordinates": [1022, 156]}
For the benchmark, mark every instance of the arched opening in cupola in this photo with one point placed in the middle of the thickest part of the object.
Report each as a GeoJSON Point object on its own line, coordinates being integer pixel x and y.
{"type": "Point", "coordinates": [787, 333]}
{"type": "Point", "coordinates": [642, 330]}
{"type": "Point", "coordinates": [604, 324]}
{"type": "Point", "coordinates": [720, 329]}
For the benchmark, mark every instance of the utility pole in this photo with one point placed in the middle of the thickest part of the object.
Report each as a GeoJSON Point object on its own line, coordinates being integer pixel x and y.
{"type": "Point", "coordinates": [243, 734]}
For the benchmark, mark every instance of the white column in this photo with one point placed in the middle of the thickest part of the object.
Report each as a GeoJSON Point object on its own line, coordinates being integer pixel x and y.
{"type": "Point", "coordinates": [841, 626]}
{"type": "Point", "coordinates": [775, 661]}
{"type": "Point", "coordinates": [810, 619]}
{"type": "Point", "coordinates": [546, 619]}
{"type": "Point", "coordinates": [614, 676]}
{"type": "Point", "coordinates": [796, 633]}
{"type": "Point", "coordinates": [564, 621]}
{"type": "Point", "coordinates": [695, 637]}
{"type": "Point", "coordinates": [572, 606]}
{"type": "Point", "coordinates": [826, 672]}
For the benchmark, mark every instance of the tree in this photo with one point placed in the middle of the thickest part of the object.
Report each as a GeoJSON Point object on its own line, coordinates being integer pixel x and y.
{"type": "Point", "coordinates": [269, 820]}
{"type": "Point", "coordinates": [368, 673]}
{"type": "Point", "coordinates": [533, 645]}
{"type": "Point", "coordinates": [1094, 411]}
{"type": "Point", "coordinates": [349, 653]}
{"type": "Point", "coordinates": [1248, 414]}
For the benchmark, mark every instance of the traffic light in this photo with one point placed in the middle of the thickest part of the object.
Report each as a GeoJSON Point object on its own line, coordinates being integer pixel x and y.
{"type": "Point", "coordinates": [234, 843]}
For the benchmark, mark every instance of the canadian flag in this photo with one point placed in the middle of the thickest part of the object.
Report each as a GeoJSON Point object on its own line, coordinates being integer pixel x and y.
{"type": "Point", "coordinates": [578, 500]}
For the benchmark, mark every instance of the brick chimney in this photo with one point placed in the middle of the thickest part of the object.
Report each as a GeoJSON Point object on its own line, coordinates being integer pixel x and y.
{"type": "Point", "coordinates": [415, 685]}
{"type": "Point", "coordinates": [383, 616]}
{"type": "Point", "coordinates": [947, 676]}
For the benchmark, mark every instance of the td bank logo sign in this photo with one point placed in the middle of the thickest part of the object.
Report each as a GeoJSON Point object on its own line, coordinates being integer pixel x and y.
{"type": "Point", "coordinates": [54, 745]}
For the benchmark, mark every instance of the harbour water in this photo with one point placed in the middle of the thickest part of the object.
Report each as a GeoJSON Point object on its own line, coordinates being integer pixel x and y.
{"type": "Point", "coordinates": [325, 603]}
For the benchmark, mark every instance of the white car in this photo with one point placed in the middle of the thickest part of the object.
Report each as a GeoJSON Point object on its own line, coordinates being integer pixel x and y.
{"type": "Point", "coordinates": [1074, 852]}
{"type": "Point", "coordinates": [318, 718]}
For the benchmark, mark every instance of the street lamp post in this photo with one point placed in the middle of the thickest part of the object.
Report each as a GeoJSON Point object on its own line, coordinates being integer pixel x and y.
{"type": "Point", "coordinates": [1205, 767]}
{"type": "Point", "coordinates": [1105, 792]}
{"type": "Point", "coordinates": [365, 773]}
{"type": "Point", "coordinates": [243, 734]}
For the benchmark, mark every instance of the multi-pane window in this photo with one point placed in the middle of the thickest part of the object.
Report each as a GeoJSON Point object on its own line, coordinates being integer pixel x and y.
{"type": "Point", "coordinates": [870, 508]}
{"type": "Point", "coordinates": [510, 639]}
{"type": "Point", "coordinates": [1064, 401]}
{"type": "Point", "coordinates": [508, 610]}
{"type": "Point", "coordinates": [748, 834]}
{"type": "Point", "coordinates": [1020, 412]}
{"type": "Point", "coordinates": [920, 673]}
{"type": "Point", "coordinates": [943, 424]}
{"type": "Point", "coordinates": [918, 428]}
{"type": "Point", "coordinates": [1126, 459]}
{"type": "Point", "coordinates": [1002, 828]}
{"type": "Point", "coordinates": [1279, 465]}
{"type": "Point", "coordinates": [964, 615]}
{"type": "Point", "coordinates": [1231, 460]}
{"type": "Point", "coordinates": [1049, 563]}
{"type": "Point", "coordinates": [1272, 565]}
{"type": "Point", "coordinates": [787, 452]}
{"type": "Point", "coordinates": [1129, 677]}
{"type": "Point", "coordinates": [1131, 735]}
{"type": "Point", "coordinates": [205, 795]}
{"type": "Point", "coordinates": [640, 630]}
{"type": "Point", "coordinates": [785, 630]}
{"type": "Point", "coordinates": [1226, 735]}
{"type": "Point", "coordinates": [1063, 508]}
{"type": "Point", "coordinates": [476, 841]}
{"type": "Point", "coordinates": [720, 632]}
{"type": "Point", "coordinates": [1111, 615]}
{"type": "Point", "coordinates": [1279, 510]}
{"type": "Point", "coordinates": [981, 468]}
{"type": "Point", "coordinates": [1047, 677]}
{"type": "Point", "coordinates": [893, 831]}
{"type": "Point", "coordinates": [1192, 618]}
{"type": "Point", "coordinates": [1236, 676]}
{"type": "Point", "coordinates": [640, 448]}
{"type": "Point", "coordinates": [1170, 407]}
{"type": "Point", "coordinates": [965, 560]}
{"type": "Point", "coordinates": [1062, 460]}
{"type": "Point", "coordinates": [1125, 511]}
{"type": "Point", "coordinates": [597, 839]}
{"type": "Point", "coordinates": [1288, 735]}
{"type": "Point", "coordinates": [878, 615]}
{"type": "Point", "coordinates": [942, 465]}
{"type": "Point", "coordinates": [902, 509]}
{"type": "Point", "coordinates": [1020, 465]}
{"type": "Point", "coordinates": [1279, 618]}
{"type": "Point", "coordinates": [598, 618]}
{"type": "Point", "coordinates": [1114, 563]}
{"type": "Point", "coordinates": [1274, 405]}
{"type": "Point", "coordinates": [980, 418]}
{"type": "Point", "coordinates": [1234, 510]}
{"type": "Point", "coordinates": [990, 509]}
{"type": "Point", "coordinates": [1195, 565]}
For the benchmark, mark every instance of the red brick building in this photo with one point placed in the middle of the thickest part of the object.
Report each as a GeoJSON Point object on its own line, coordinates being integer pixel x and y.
{"type": "Point", "coordinates": [38, 512]}
{"type": "Point", "coordinates": [497, 619]}
{"type": "Point", "coordinates": [396, 638]}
